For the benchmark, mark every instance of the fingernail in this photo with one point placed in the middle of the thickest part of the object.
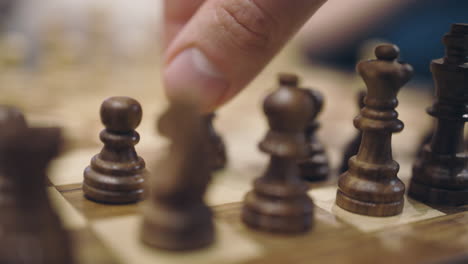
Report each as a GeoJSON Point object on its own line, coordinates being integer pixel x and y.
{"type": "Point", "coordinates": [192, 72]}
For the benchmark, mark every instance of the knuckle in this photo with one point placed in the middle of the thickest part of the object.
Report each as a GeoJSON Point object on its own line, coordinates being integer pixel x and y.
{"type": "Point", "coordinates": [246, 25]}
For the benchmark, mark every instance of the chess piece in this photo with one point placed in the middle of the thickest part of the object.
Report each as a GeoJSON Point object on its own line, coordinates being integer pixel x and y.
{"type": "Point", "coordinates": [216, 148]}
{"type": "Point", "coordinates": [371, 186]}
{"type": "Point", "coordinates": [424, 141]}
{"type": "Point", "coordinates": [440, 175]}
{"type": "Point", "coordinates": [117, 174]}
{"type": "Point", "coordinates": [279, 202]}
{"type": "Point", "coordinates": [31, 231]}
{"type": "Point", "coordinates": [11, 116]}
{"type": "Point", "coordinates": [175, 215]}
{"type": "Point", "coordinates": [315, 166]}
{"type": "Point", "coordinates": [353, 146]}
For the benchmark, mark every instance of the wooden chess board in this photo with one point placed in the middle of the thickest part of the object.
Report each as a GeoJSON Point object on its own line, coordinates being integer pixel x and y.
{"type": "Point", "coordinates": [104, 234]}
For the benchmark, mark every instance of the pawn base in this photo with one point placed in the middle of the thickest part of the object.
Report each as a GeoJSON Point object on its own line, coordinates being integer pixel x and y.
{"type": "Point", "coordinates": [177, 229]}
{"type": "Point", "coordinates": [368, 208]}
{"type": "Point", "coordinates": [111, 189]}
{"type": "Point", "coordinates": [438, 196]}
{"type": "Point", "coordinates": [287, 215]}
{"type": "Point", "coordinates": [276, 224]}
{"type": "Point", "coordinates": [112, 197]}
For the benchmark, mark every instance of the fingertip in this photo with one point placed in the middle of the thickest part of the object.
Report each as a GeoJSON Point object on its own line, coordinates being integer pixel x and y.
{"type": "Point", "coordinates": [190, 73]}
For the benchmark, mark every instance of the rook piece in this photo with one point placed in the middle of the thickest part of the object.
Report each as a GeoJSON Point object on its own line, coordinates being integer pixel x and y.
{"type": "Point", "coordinates": [216, 148]}
{"type": "Point", "coordinates": [440, 174]}
{"type": "Point", "coordinates": [175, 216]}
{"type": "Point", "coordinates": [117, 174]}
{"type": "Point", "coordinates": [353, 146]}
{"type": "Point", "coordinates": [279, 200]}
{"type": "Point", "coordinates": [371, 186]}
{"type": "Point", "coordinates": [31, 231]}
{"type": "Point", "coordinates": [315, 167]}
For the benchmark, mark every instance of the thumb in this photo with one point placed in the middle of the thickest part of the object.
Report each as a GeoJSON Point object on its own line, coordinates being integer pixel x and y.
{"type": "Point", "coordinates": [227, 43]}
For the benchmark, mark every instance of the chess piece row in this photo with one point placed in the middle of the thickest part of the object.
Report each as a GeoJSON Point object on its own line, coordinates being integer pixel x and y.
{"type": "Point", "coordinates": [279, 201]}
{"type": "Point", "coordinates": [370, 185]}
{"type": "Point", "coordinates": [117, 174]}
{"type": "Point", "coordinates": [175, 216]}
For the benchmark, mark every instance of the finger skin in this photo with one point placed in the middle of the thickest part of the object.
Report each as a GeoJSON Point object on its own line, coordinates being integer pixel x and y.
{"type": "Point", "coordinates": [176, 14]}
{"type": "Point", "coordinates": [239, 37]}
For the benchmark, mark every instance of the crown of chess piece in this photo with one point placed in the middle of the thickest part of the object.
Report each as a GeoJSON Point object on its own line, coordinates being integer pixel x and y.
{"type": "Point", "coordinates": [117, 174]}
{"type": "Point", "coordinates": [279, 202]}
{"type": "Point", "coordinates": [315, 166]}
{"type": "Point", "coordinates": [353, 146]}
{"type": "Point", "coordinates": [175, 215]}
{"type": "Point", "coordinates": [440, 174]}
{"type": "Point", "coordinates": [31, 231]}
{"type": "Point", "coordinates": [371, 186]}
{"type": "Point", "coordinates": [216, 147]}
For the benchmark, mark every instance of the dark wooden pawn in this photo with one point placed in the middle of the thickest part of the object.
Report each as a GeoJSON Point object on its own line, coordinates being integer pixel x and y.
{"type": "Point", "coordinates": [175, 215]}
{"type": "Point", "coordinates": [117, 174]}
{"type": "Point", "coordinates": [31, 232]}
{"type": "Point", "coordinates": [371, 186]}
{"type": "Point", "coordinates": [216, 147]}
{"type": "Point", "coordinates": [352, 147]}
{"type": "Point", "coordinates": [279, 202]}
{"type": "Point", "coordinates": [440, 174]}
{"type": "Point", "coordinates": [315, 167]}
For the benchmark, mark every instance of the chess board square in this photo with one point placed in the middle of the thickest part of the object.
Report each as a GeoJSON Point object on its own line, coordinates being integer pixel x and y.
{"type": "Point", "coordinates": [69, 167]}
{"type": "Point", "coordinates": [71, 218]}
{"type": "Point", "coordinates": [121, 235]}
{"type": "Point", "coordinates": [225, 187]}
{"type": "Point", "coordinates": [413, 211]}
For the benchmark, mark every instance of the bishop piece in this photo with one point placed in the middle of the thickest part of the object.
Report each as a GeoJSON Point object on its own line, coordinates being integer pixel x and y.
{"type": "Point", "coordinates": [279, 202]}
{"type": "Point", "coordinates": [315, 166]}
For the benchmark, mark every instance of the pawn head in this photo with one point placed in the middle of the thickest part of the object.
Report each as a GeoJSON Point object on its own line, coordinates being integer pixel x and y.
{"type": "Point", "coordinates": [388, 52]}
{"type": "Point", "coordinates": [121, 114]}
{"type": "Point", "coordinates": [288, 108]}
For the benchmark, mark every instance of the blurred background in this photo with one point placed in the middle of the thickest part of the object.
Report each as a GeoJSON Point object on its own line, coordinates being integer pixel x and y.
{"type": "Point", "coordinates": [60, 58]}
{"type": "Point", "coordinates": [340, 34]}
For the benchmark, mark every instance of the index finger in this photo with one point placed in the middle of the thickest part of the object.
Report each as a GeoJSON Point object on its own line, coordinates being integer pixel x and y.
{"type": "Point", "coordinates": [176, 14]}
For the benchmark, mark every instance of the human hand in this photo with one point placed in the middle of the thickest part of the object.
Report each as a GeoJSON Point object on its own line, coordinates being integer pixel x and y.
{"type": "Point", "coordinates": [214, 48]}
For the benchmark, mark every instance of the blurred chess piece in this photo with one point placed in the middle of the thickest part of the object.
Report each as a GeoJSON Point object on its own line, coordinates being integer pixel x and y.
{"type": "Point", "coordinates": [216, 146]}
{"type": "Point", "coordinates": [279, 201]}
{"type": "Point", "coordinates": [352, 147]}
{"type": "Point", "coordinates": [31, 231]}
{"type": "Point", "coordinates": [315, 167]}
{"type": "Point", "coordinates": [175, 217]}
{"type": "Point", "coordinates": [440, 174]}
